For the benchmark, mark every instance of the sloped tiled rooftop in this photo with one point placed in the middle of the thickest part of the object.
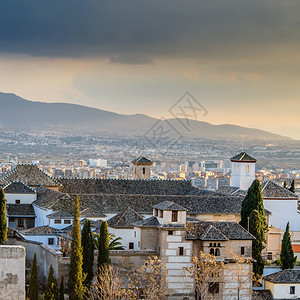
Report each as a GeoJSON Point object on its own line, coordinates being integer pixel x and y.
{"type": "Point", "coordinates": [31, 175]}
{"type": "Point", "coordinates": [18, 187]}
{"type": "Point", "coordinates": [20, 210]}
{"type": "Point", "coordinates": [270, 189]}
{"type": "Point", "coordinates": [124, 219]}
{"type": "Point", "coordinates": [243, 157]}
{"type": "Point", "coordinates": [40, 230]}
{"type": "Point", "coordinates": [284, 276]}
{"type": "Point", "coordinates": [142, 161]}
{"type": "Point", "coordinates": [169, 205]}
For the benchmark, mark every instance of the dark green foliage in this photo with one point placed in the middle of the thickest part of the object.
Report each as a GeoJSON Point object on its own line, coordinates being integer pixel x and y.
{"type": "Point", "coordinates": [33, 281]}
{"type": "Point", "coordinates": [114, 242]}
{"type": "Point", "coordinates": [103, 250]}
{"type": "Point", "coordinates": [292, 187]}
{"type": "Point", "coordinates": [256, 228]}
{"type": "Point", "coordinates": [3, 221]}
{"type": "Point", "coordinates": [287, 257]}
{"type": "Point", "coordinates": [253, 201]}
{"type": "Point", "coordinates": [88, 252]}
{"type": "Point", "coordinates": [285, 184]}
{"type": "Point", "coordinates": [62, 289]}
{"type": "Point", "coordinates": [52, 288]}
{"type": "Point", "coordinates": [75, 284]}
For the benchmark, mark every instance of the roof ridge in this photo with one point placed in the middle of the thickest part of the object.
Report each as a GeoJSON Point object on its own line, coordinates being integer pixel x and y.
{"type": "Point", "coordinates": [287, 190]}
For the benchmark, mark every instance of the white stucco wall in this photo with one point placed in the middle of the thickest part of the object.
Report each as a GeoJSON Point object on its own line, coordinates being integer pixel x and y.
{"type": "Point", "coordinates": [24, 198]}
{"type": "Point", "coordinates": [41, 213]}
{"type": "Point", "coordinates": [240, 177]}
{"type": "Point", "coordinates": [283, 211]}
{"type": "Point", "coordinates": [127, 236]}
{"type": "Point", "coordinates": [43, 239]}
{"type": "Point", "coordinates": [282, 290]}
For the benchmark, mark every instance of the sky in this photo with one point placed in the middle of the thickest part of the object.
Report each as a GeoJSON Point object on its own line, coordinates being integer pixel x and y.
{"type": "Point", "coordinates": [239, 59]}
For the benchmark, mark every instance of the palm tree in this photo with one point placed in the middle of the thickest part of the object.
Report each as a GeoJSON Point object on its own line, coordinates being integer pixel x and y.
{"type": "Point", "coordinates": [114, 242]}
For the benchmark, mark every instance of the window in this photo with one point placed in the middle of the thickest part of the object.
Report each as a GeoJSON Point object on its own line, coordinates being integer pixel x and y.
{"type": "Point", "coordinates": [161, 214]}
{"type": "Point", "coordinates": [219, 245]}
{"type": "Point", "coordinates": [57, 221]}
{"type": "Point", "coordinates": [217, 252]}
{"type": "Point", "coordinates": [139, 244]}
{"type": "Point", "coordinates": [210, 244]}
{"type": "Point", "coordinates": [144, 171]}
{"type": "Point", "coordinates": [242, 250]}
{"type": "Point", "coordinates": [174, 216]}
{"type": "Point", "coordinates": [170, 232]}
{"type": "Point", "coordinates": [155, 212]}
{"type": "Point", "coordinates": [131, 245]}
{"type": "Point", "coordinates": [17, 201]}
{"type": "Point", "coordinates": [213, 287]}
{"type": "Point", "coordinates": [292, 290]}
{"type": "Point", "coordinates": [247, 168]}
{"type": "Point", "coordinates": [50, 241]}
{"type": "Point", "coordinates": [215, 244]}
{"type": "Point", "coordinates": [270, 256]}
{"type": "Point", "coordinates": [67, 221]}
{"type": "Point", "coordinates": [180, 250]}
{"type": "Point", "coordinates": [20, 222]}
{"type": "Point", "coordinates": [135, 234]}
{"type": "Point", "coordinates": [212, 251]}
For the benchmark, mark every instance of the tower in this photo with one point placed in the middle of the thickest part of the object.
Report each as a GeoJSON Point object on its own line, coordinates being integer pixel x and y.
{"type": "Point", "coordinates": [142, 168]}
{"type": "Point", "coordinates": [242, 171]}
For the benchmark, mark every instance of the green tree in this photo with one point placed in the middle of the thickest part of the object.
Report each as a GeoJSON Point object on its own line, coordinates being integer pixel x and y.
{"type": "Point", "coordinates": [75, 284]}
{"type": "Point", "coordinates": [253, 201]}
{"type": "Point", "coordinates": [88, 252]}
{"type": "Point", "coordinates": [285, 184]}
{"type": "Point", "coordinates": [62, 289]}
{"type": "Point", "coordinates": [52, 288]}
{"type": "Point", "coordinates": [292, 187]}
{"type": "Point", "coordinates": [256, 228]}
{"type": "Point", "coordinates": [33, 281]}
{"type": "Point", "coordinates": [114, 242]}
{"type": "Point", "coordinates": [103, 248]}
{"type": "Point", "coordinates": [3, 220]}
{"type": "Point", "coordinates": [287, 257]}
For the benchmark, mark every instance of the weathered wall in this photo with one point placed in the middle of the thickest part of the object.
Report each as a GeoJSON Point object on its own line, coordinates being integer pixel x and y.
{"type": "Point", "coordinates": [12, 272]}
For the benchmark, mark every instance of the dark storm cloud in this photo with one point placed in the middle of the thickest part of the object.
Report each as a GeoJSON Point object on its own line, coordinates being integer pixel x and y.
{"type": "Point", "coordinates": [170, 27]}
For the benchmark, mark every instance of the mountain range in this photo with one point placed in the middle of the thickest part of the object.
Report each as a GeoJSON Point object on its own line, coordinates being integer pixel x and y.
{"type": "Point", "coordinates": [20, 114]}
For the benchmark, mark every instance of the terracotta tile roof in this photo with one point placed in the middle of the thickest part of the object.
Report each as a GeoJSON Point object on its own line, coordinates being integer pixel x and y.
{"type": "Point", "coordinates": [40, 230]}
{"type": "Point", "coordinates": [142, 161]}
{"type": "Point", "coordinates": [169, 205]}
{"type": "Point", "coordinates": [60, 214]}
{"type": "Point", "coordinates": [218, 231]}
{"type": "Point", "coordinates": [18, 187]}
{"type": "Point", "coordinates": [270, 189]}
{"type": "Point", "coordinates": [284, 276]}
{"type": "Point", "coordinates": [47, 198]}
{"type": "Point", "coordinates": [20, 210]}
{"type": "Point", "coordinates": [124, 219]}
{"type": "Point", "coordinates": [243, 157]}
{"type": "Point", "coordinates": [31, 175]}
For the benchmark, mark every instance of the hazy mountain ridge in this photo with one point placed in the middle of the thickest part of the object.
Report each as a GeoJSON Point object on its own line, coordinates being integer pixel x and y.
{"type": "Point", "coordinates": [18, 113]}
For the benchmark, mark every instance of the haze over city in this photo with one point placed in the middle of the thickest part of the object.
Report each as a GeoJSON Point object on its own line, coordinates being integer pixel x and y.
{"type": "Point", "coordinates": [239, 59]}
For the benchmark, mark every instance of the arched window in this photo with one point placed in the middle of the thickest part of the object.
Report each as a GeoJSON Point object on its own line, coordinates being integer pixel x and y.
{"type": "Point", "coordinates": [212, 251]}
{"type": "Point", "coordinates": [144, 171]}
{"type": "Point", "coordinates": [217, 252]}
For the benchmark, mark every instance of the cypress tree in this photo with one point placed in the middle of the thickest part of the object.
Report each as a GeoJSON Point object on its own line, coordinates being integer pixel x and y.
{"type": "Point", "coordinates": [292, 187]}
{"type": "Point", "coordinates": [285, 184]}
{"type": "Point", "coordinates": [3, 220]}
{"type": "Point", "coordinates": [33, 281]}
{"type": "Point", "coordinates": [88, 252]}
{"type": "Point", "coordinates": [52, 288]}
{"type": "Point", "coordinates": [62, 289]}
{"type": "Point", "coordinates": [287, 257]}
{"type": "Point", "coordinates": [103, 250]}
{"type": "Point", "coordinates": [253, 201]}
{"type": "Point", "coordinates": [256, 228]}
{"type": "Point", "coordinates": [75, 284]}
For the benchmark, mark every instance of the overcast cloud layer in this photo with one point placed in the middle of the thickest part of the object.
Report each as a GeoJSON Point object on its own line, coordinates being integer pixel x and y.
{"type": "Point", "coordinates": [141, 56]}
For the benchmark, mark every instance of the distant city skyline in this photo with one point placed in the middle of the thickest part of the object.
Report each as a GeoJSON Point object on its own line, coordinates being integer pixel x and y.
{"type": "Point", "coordinates": [241, 60]}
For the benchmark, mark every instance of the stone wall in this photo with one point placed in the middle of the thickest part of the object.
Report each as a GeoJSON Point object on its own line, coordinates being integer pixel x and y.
{"type": "Point", "coordinates": [12, 272]}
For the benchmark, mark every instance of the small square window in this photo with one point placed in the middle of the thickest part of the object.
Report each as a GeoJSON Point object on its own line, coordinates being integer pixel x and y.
{"type": "Point", "coordinates": [57, 221]}
{"type": "Point", "coordinates": [50, 241]}
{"type": "Point", "coordinates": [18, 201]}
{"type": "Point", "coordinates": [214, 287]}
{"type": "Point", "coordinates": [242, 250]}
{"type": "Point", "coordinates": [180, 251]}
{"type": "Point", "coordinates": [170, 232]}
{"type": "Point", "coordinates": [292, 290]}
{"type": "Point", "coordinates": [131, 245]}
{"type": "Point", "coordinates": [67, 221]}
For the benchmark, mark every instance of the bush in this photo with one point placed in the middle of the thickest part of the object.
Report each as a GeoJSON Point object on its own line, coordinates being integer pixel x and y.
{"type": "Point", "coordinates": [278, 262]}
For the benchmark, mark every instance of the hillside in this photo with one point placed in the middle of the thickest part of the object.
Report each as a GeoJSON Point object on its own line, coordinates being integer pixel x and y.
{"type": "Point", "coordinates": [18, 113]}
